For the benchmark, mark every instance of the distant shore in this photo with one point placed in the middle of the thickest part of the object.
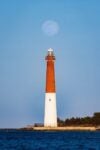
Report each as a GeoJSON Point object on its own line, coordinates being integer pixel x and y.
{"type": "Point", "coordinates": [66, 128]}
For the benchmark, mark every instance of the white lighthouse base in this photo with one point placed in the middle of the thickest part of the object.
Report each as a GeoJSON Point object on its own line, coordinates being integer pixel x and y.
{"type": "Point", "coordinates": [50, 117]}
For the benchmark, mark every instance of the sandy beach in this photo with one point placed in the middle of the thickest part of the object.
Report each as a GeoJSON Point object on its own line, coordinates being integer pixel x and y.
{"type": "Point", "coordinates": [67, 128]}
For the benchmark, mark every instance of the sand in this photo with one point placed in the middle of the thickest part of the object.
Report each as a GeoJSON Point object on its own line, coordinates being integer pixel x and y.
{"type": "Point", "coordinates": [67, 128]}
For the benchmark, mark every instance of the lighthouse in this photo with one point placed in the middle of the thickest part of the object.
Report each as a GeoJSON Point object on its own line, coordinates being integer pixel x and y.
{"type": "Point", "coordinates": [50, 114]}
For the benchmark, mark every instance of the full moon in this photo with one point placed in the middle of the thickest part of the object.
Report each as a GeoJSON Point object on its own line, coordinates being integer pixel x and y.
{"type": "Point", "coordinates": [50, 27]}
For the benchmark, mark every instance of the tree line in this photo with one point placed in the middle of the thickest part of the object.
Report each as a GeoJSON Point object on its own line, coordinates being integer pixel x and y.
{"type": "Point", "coordinates": [84, 121]}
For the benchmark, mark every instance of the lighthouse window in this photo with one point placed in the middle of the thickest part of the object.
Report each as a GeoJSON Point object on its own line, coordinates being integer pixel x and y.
{"type": "Point", "coordinates": [49, 99]}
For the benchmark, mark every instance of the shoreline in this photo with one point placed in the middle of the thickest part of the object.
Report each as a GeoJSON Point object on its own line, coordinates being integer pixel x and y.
{"type": "Point", "coordinates": [67, 128]}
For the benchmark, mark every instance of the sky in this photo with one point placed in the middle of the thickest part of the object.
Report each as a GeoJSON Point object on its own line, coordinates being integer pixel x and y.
{"type": "Point", "coordinates": [23, 47]}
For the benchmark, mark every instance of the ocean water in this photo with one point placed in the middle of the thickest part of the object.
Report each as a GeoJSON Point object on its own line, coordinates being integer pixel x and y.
{"type": "Point", "coordinates": [49, 140]}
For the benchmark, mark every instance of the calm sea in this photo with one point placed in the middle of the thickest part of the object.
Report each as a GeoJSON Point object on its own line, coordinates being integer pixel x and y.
{"type": "Point", "coordinates": [49, 140]}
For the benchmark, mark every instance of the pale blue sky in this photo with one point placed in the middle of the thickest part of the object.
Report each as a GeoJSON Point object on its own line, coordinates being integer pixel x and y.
{"type": "Point", "coordinates": [23, 47]}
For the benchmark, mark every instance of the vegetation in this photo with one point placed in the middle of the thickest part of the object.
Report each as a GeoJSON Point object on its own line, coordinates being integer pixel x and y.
{"type": "Point", "coordinates": [85, 121]}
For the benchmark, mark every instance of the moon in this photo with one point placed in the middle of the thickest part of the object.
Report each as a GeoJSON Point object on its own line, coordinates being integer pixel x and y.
{"type": "Point", "coordinates": [50, 27]}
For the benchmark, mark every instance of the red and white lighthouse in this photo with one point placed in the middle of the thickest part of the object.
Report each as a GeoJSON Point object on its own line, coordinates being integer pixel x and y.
{"type": "Point", "coordinates": [50, 116]}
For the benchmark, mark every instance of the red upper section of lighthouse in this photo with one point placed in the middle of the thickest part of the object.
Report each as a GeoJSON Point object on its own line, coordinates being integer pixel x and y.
{"type": "Point", "coordinates": [50, 72]}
